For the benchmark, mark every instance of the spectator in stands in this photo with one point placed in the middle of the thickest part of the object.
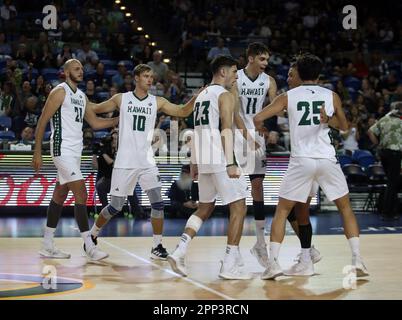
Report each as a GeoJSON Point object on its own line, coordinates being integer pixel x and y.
{"type": "Point", "coordinates": [220, 49]}
{"type": "Point", "coordinates": [175, 88]}
{"type": "Point", "coordinates": [44, 58]}
{"type": "Point", "coordinates": [158, 66]}
{"type": "Point", "coordinates": [6, 100]}
{"type": "Point", "coordinates": [65, 55]}
{"type": "Point", "coordinates": [32, 111]}
{"type": "Point", "coordinates": [128, 84]}
{"type": "Point", "coordinates": [350, 137]}
{"type": "Point", "coordinates": [272, 143]}
{"type": "Point", "coordinates": [387, 133]}
{"type": "Point", "coordinates": [90, 91]}
{"type": "Point", "coordinates": [100, 81]}
{"type": "Point", "coordinates": [185, 149]}
{"type": "Point", "coordinates": [118, 78]}
{"type": "Point", "coordinates": [5, 48]}
{"type": "Point", "coordinates": [88, 57]}
{"type": "Point", "coordinates": [183, 195]}
{"type": "Point", "coordinates": [71, 29]}
{"type": "Point", "coordinates": [119, 47]}
{"type": "Point", "coordinates": [88, 139]}
{"type": "Point", "coordinates": [27, 139]}
{"type": "Point", "coordinates": [8, 14]}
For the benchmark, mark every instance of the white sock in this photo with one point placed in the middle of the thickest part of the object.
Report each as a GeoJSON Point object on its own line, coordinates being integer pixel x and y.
{"type": "Point", "coordinates": [49, 233]}
{"type": "Point", "coordinates": [184, 242]}
{"type": "Point", "coordinates": [157, 240]}
{"type": "Point", "coordinates": [231, 252]}
{"type": "Point", "coordinates": [95, 230]}
{"type": "Point", "coordinates": [86, 236]}
{"type": "Point", "coordinates": [274, 248]}
{"type": "Point", "coordinates": [355, 246]}
{"type": "Point", "coordinates": [260, 231]}
{"type": "Point", "coordinates": [305, 254]}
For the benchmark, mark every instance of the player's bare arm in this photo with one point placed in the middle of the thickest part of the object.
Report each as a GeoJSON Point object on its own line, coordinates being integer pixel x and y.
{"type": "Point", "coordinates": [339, 114]}
{"type": "Point", "coordinates": [97, 123]}
{"type": "Point", "coordinates": [331, 121]}
{"type": "Point", "coordinates": [175, 110]}
{"type": "Point", "coordinates": [238, 120]}
{"type": "Point", "coordinates": [278, 105]}
{"type": "Point", "coordinates": [226, 108]}
{"type": "Point", "coordinates": [107, 106]}
{"type": "Point", "coordinates": [53, 103]}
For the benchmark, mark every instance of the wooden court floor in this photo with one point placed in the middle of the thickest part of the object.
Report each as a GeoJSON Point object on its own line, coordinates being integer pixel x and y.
{"type": "Point", "coordinates": [129, 273]}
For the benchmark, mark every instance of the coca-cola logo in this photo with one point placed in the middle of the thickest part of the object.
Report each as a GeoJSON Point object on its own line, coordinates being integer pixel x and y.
{"type": "Point", "coordinates": [26, 195]}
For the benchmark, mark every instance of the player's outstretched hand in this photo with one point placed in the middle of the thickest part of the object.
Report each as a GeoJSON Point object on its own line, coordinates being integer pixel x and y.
{"type": "Point", "coordinates": [233, 172]}
{"type": "Point", "coordinates": [323, 115]}
{"type": "Point", "coordinates": [36, 161]}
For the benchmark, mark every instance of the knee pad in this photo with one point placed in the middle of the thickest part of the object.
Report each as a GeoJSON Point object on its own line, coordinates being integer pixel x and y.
{"type": "Point", "coordinates": [157, 205]}
{"type": "Point", "coordinates": [115, 206]}
{"type": "Point", "coordinates": [194, 222]}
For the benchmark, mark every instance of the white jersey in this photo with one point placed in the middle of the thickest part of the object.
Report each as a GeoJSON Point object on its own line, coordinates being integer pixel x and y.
{"type": "Point", "coordinates": [66, 124]}
{"type": "Point", "coordinates": [136, 128]}
{"type": "Point", "coordinates": [208, 147]}
{"type": "Point", "coordinates": [252, 96]}
{"type": "Point", "coordinates": [308, 137]}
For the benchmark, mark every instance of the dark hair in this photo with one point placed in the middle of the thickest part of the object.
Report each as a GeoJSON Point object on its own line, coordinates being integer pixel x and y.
{"type": "Point", "coordinates": [309, 67]}
{"type": "Point", "coordinates": [256, 48]}
{"type": "Point", "coordinates": [141, 68]}
{"type": "Point", "coordinates": [222, 61]}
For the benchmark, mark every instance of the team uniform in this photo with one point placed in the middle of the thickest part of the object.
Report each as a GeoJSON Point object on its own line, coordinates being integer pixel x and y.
{"type": "Point", "coordinates": [135, 159]}
{"type": "Point", "coordinates": [252, 96]}
{"type": "Point", "coordinates": [213, 179]}
{"type": "Point", "coordinates": [66, 140]}
{"type": "Point", "coordinates": [313, 157]}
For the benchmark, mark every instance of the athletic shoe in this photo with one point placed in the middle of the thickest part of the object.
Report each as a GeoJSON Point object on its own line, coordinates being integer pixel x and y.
{"type": "Point", "coordinates": [314, 253]}
{"type": "Point", "coordinates": [261, 254]}
{"type": "Point", "coordinates": [232, 271]}
{"type": "Point", "coordinates": [177, 262]}
{"type": "Point", "coordinates": [94, 253]}
{"type": "Point", "coordinates": [49, 250]}
{"type": "Point", "coordinates": [361, 270]}
{"type": "Point", "coordinates": [159, 253]}
{"type": "Point", "coordinates": [272, 271]}
{"type": "Point", "coordinates": [239, 259]}
{"type": "Point", "coordinates": [301, 268]}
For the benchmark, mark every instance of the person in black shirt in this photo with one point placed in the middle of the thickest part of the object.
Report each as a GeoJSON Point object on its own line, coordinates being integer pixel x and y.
{"type": "Point", "coordinates": [183, 194]}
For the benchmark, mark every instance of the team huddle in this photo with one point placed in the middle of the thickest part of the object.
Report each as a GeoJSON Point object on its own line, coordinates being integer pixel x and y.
{"type": "Point", "coordinates": [227, 144]}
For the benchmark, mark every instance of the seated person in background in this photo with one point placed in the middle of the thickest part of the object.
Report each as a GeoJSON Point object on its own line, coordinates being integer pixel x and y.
{"type": "Point", "coordinates": [272, 143]}
{"type": "Point", "coordinates": [103, 160]}
{"type": "Point", "coordinates": [183, 194]}
{"type": "Point", "coordinates": [26, 142]}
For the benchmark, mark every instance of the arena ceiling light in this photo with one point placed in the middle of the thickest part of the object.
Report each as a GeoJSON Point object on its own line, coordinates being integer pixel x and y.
{"type": "Point", "coordinates": [117, 1]}
{"type": "Point", "coordinates": [166, 60]}
{"type": "Point", "coordinates": [140, 29]}
{"type": "Point", "coordinates": [122, 8]}
{"type": "Point", "coordinates": [128, 14]}
{"type": "Point", "coordinates": [147, 36]}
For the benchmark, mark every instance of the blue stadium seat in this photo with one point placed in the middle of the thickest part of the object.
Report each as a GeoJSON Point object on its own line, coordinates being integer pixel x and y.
{"type": "Point", "coordinates": [100, 134]}
{"type": "Point", "coordinates": [102, 96]}
{"type": "Point", "coordinates": [364, 158]}
{"type": "Point", "coordinates": [352, 82]}
{"type": "Point", "coordinates": [109, 64]}
{"type": "Point", "coordinates": [129, 64]}
{"type": "Point", "coordinates": [7, 135]}
{"type": "Point", "coordinates": [109, 74]}
{"type": "Point", "coordinates": [344, 159]}
{"type": "Point", "coordinates": [5, 123]}
{"type": "Point", "coordinates": [47, 135]}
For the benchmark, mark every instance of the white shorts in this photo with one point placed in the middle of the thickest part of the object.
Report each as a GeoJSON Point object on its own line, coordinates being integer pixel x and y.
{"type": "Point", "coordinates": [229, 190]}
{"type": "Point", "coordinates": [68, 169]}
{"type": "Point", "coordinates": [298, 182]}
{"type": "Point", "coordinates": [124, 180]}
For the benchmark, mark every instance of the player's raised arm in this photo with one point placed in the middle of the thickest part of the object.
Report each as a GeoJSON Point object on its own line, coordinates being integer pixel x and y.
{"type": "Point", "coordinates": [278, 105]}
{"type": "Point", "coordinates": [176, 110]}
{"type": "Point", "coordinates": [53, 103]}
{"type": "Point", "coordinates": [106, 106]}
{"type": "Point", "coordinates": [339, 118]}
{"type": "Point", "coordinates": [97, 123]}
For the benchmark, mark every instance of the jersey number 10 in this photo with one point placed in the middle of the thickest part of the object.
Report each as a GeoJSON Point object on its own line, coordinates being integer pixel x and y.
{"type": "Point", "coordinates": [139, 123]}
{"type": "Point", "coordinates": [309, 116]}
